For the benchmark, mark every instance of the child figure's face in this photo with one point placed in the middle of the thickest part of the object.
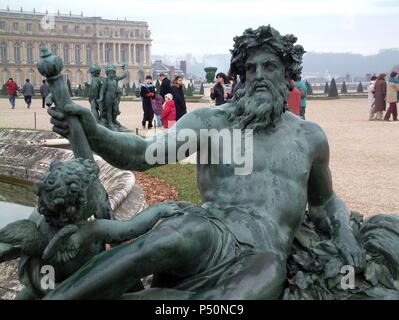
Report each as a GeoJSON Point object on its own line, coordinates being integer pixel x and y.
{"type": "Point", "coordinates": [58, 216]}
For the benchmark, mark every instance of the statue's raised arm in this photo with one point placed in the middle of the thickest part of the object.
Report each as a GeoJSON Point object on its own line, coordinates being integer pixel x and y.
{"type": "Point", "coordinates": [50, 66]}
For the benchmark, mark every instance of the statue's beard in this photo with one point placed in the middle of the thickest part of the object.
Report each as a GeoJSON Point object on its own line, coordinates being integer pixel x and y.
{"type": "Point", "coordinates": [259, 105]}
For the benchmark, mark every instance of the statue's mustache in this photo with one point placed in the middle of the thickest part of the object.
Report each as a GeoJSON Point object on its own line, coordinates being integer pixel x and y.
{"type": "Point", "coordinates": [268, 85]}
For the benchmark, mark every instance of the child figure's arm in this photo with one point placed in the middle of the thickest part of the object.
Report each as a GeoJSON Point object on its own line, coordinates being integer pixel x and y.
{"type": "Point", "coordinates": [118, 231]}
{"type": "Point", "coordinates": [68, 241]}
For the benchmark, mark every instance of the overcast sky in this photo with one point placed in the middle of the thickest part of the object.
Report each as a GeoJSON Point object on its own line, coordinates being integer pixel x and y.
{"type": "Point", "coordinates": [206, 26]}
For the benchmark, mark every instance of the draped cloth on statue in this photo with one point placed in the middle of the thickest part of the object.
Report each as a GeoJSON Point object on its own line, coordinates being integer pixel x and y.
{"type": "Point", "coordinates": [314, 266]}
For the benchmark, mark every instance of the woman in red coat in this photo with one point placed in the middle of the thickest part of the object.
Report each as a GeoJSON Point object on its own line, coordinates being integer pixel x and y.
{"type": "Point", "coordinates": [294, 99]}
{"type": "Point", "coordinates": [168, 116]}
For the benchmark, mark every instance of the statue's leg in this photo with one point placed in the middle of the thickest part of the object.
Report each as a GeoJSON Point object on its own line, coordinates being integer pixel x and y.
{"type": "Point", "coordinates": [261, 276]}
{"type": "Point", "coordinates": [94, 110]}
{"type": "Point", "coordinates": [177, 244]}
{"type": "Point", "coordinates": [109, 113]}
{"type": "Point", "coordinates": [115, 114]}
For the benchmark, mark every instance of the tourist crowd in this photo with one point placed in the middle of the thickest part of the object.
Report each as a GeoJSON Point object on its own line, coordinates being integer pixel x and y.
{"type": "Point", "coordinates": [382, 92]}
{"type": "Point", "coordinates": [168, 105]}
{"type": "Point", "coordinates": [27, 91]}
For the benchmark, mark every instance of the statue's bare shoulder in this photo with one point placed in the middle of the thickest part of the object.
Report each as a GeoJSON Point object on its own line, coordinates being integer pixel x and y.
{"type": "Point", "coordinates": [205, 118]}
{"type": "Point", "coordinates": [314, 135]}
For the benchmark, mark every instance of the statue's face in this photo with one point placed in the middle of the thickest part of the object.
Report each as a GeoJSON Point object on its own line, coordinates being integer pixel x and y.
{"type": "Point", "coordinates": [262, 64]}
{"type": "Point", "coordinates": [265, 91]}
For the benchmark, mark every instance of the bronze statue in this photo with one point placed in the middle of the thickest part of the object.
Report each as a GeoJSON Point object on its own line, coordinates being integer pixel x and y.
{"type": "Point", "coordinates": [43, 240]}
{"type": "Point", "coordinates": [95, 88]}
{"type": "Point", "coordinates": [109, 99]}
{"type": "Point", "coordinates": [237, 245]}
{"type": "Point", "coordinates": [62, 198]}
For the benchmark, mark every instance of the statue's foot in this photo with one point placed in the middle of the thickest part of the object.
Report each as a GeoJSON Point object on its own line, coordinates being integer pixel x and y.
{"type": "Point", "coordinates": [119, 126]}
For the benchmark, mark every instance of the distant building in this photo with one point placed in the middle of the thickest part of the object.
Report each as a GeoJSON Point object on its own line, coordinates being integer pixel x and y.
{"type": "Point", "coordinates": [183, 66]}
{"type": "Point", "coordinates": [170, 71]}
{"type": "Point", "coordinates": [158, 67]}
{"type": "Point", "coordinates": [78, 40]}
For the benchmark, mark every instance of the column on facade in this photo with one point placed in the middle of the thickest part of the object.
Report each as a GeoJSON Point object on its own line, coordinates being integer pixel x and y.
{"type": "Point", "coordinates": [36, 52]}
{"type": "Point", "coordinates": [149, 54]}
{"type": "Point", "coordinates": [114, 57]}
{"type": "Point", "coordinates": [11, 52]}
{"type": "Point", "coordinates": [103, 59]}
{"type": "Point", "coordinates": [134, 54]}
{"type": "Point", "coordinates": [71, 53]}
{"type": "Point", "coordinates": [130, 54]}
{"type": "Point", "coordinates": [23, 52]}
{"type": "Point", "coordinates": [98, 53]}
{"type": "Point", "coordinates": [144, 54]}
{"type": "Point", "coordinates": [83, 49]}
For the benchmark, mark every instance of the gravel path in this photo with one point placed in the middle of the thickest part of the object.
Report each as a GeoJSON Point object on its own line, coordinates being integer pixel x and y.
{"type": "Point", "coordinates": [364, 154]}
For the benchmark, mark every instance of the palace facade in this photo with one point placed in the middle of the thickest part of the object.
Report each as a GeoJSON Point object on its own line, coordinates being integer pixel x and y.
{"type": "Point", "coordinates": [78, 40]}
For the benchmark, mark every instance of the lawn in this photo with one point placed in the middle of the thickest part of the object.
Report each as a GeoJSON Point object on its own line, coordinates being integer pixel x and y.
{"type": "Point", "coordinates": [183, 177]}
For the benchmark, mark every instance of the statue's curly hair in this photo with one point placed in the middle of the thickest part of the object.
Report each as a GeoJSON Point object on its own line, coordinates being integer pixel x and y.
{"type": "Point", "coordinates": [62, 191]}
{"type": "Point", "coordinates": [95, 68]}
{"type": "Point", "coordinates": [284, 46]}
{"type": "Point", "coordinates": [110, 68]}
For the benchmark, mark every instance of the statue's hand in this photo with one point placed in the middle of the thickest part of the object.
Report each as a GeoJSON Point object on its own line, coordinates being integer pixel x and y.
{"type": "Point", "coordinates": [348, 246]}
{"type": "Point", "coordinates": [169, 209]}
{"type": "Point", "coordinates": [60, 122]}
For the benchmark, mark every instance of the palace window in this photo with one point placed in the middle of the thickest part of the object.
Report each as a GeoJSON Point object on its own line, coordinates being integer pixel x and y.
{"type": "Point", "coordinates": [66, 76]}
{"type": "Point", "coordinates": [54, 48]}
{"type": "Point", "coordinates": [107, 54]}
{"type": "Point", "coordinates": [66, 53]}
{"type": "Point", "coordinates": [18, 77]}
{"type": "Point", "coordinates": [136, 33]}
{"type": "Point", "coordinates": [65, 29]}
{"type": "Point", "coordinates": [5, 76]}
{"type": "Point", "coordinates": [123, 54]}
{"type": "Point", "coordinates": [78, 78]}
{"type": "Point", "coordinates": [88, 29]}
{"type": "Point", "coordinates": [77, 29]}
{"type": "Point", "coordinates": [3, 52]}
{"type": "Point", "coordinates": [28, 27]}
{"type": "Point", "coordinates": [77, 54]}
{"type": "Point", "coordinates": [31, 76]}
{"type": "Point", "coordinates": [29, 53]}
{"type": "Point", "coordinates": [89, 54]}
{"type": "Point", "coordinates": [138, 54]}
{"type": "Point", "coordinates": [17, 52]}
{"type": "Point", "coordinates": [15, 26]}
{"type": "Point", "coordinates": [2, 25]}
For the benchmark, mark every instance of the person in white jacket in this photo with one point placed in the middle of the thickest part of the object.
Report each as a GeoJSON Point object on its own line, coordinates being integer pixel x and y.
{"type": "Point", "coordinates": [371, 98]}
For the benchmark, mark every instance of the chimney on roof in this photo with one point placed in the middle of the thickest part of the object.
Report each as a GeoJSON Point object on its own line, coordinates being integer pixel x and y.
{"type": "Point", "coordinates": [81, 14]}
{"type": "Point", "coordinates": [58, 12]}
{"type": "Point", "coordinates": [34, 10]}
{"type": "Point", "coordinates": [22, 10]}
{"type": "Point", "coordinates": [8, 8]}
{"type": "Point", "coordinates": [70, 13]}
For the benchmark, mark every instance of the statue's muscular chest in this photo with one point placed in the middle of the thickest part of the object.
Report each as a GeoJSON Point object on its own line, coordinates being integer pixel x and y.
{"type": "Point", "coordinates": [279, 172]}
